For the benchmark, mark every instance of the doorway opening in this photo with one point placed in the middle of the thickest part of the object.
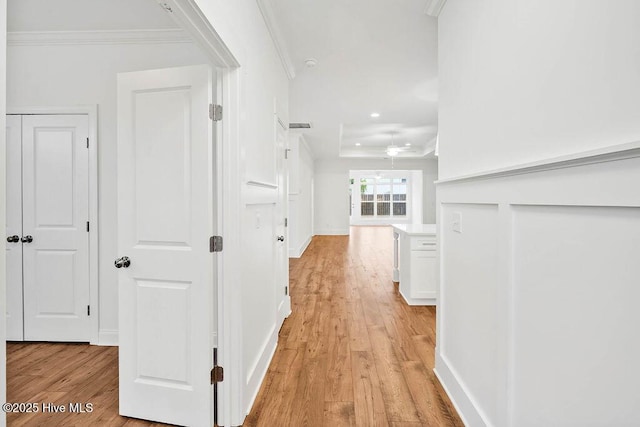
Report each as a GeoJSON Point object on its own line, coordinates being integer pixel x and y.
{"type": "Point", "coordinates": [384, 197]}
{"type": "Point", "coordinates": [71, 57]}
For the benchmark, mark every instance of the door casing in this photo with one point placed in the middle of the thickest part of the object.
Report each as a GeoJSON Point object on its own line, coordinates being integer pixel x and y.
{"type": "Point", "coordinates": [91, 111]}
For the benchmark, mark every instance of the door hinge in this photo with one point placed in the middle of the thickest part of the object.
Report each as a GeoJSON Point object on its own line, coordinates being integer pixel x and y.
{"type": "Point", "coordinates": [88, 310]}
{"type": "Point", "coordinates": [87, 226]}
{"type": "Point", "coordinates": [87, 142]}
{"type": "Point", "coordinates": [286, 222]}
{"type": "Point", "coordinates": [286, 290]}
{"type": "Point", "coordinates": [215, 244]}
{"type": "Point", "coordinates": [215, 112]}
{"type": "Point", "coordinates": [217, 374]}
{"type": "Point", "coordinates": [286, 153]}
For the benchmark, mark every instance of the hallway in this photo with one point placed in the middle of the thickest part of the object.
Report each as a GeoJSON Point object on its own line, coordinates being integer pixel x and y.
{"type": "Point", "coordinates": [352, 352]}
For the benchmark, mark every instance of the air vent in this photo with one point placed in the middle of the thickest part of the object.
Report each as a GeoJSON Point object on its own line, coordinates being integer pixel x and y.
{"type": "Point", "coordinates": [299, 125]}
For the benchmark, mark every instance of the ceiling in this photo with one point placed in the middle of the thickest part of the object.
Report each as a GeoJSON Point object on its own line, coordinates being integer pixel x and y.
{"type": "Point", "coordinates": [86, 15]}
{"type": "Point", "coordinates": [372, 56]}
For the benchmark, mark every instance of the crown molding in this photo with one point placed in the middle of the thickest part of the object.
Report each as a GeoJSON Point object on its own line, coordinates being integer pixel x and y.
{"type": "Point", "coordinates": [52, 38]}
{"type": "Point", "coordinates": [434, 7]}
{"type": "Point", "coordinates": [268, 13]}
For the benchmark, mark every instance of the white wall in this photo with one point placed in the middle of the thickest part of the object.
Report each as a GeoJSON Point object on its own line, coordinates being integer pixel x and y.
{"type": "Point", "coordinates": [3, 285]}
{"type": "Point", "coordinates": [527, 80]}
{"type": "Point", "coordinates": [301, 175]}
{"type": "Point", "coordinates": [86, 74]}
{"type": "Point", "coordinates": [331, 189]}
{"type": "Point", "coordinates": [546, 246]}
{"type": "Point", "coordinates": [262, 83]}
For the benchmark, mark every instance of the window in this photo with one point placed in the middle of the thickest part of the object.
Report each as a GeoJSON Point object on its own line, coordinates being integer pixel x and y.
{"type": "Point", "coordinates": [383, 197]}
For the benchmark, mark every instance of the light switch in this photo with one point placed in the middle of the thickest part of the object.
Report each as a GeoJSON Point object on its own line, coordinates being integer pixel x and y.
{"type": "Point", "coordinates": [457, 222]}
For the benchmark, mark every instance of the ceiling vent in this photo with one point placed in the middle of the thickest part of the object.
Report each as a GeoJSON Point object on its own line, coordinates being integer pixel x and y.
{"type": "Point", "coordinates": [299, 125]}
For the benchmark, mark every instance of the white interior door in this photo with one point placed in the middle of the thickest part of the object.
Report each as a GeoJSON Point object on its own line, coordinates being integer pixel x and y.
{"type": "Point", "coordinates": [14, 228]}
{"type": "Point", "coordinates": [55, 248]}
{"type": "Point", "coordinates": [281, 246]}
{"type": "Point", "coordinates": [165, 219]}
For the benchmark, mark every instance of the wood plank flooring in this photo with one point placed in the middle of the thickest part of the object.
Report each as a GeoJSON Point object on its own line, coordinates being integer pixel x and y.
{"type": "Point", "coordinates": [61, 374]}
{"type": "Point", "coordinates": [352, 353]}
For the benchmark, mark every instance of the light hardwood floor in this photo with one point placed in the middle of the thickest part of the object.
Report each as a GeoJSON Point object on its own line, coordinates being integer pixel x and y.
{"type": "Point", "coordinates": [352, 352]}
{"type": "Point", "coordinates": [62, 374]}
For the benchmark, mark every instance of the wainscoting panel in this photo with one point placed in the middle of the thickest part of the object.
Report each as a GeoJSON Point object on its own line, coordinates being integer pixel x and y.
{"type": "Point", "coordinates": [539, 287]}
{"type": "Point", "coordinates": [576, 293]}
{"type": "Point", "coordinates": [470, 232]}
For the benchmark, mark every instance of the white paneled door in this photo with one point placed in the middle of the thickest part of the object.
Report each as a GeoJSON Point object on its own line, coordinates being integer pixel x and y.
{"type": "Point", "coordinates": [48, 201]}
{"type": "Point", "coordinates": [165, 218]}
{"type": "Point", "coordinates": [281, 225]}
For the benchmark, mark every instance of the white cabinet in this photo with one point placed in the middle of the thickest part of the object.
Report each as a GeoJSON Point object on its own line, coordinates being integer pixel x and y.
{"type": "Point", "coordinates": [415, 262]}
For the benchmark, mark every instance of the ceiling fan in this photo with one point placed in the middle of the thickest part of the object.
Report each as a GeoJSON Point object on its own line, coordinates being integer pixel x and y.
{"type": "Point", "coordinates": [393, 149]}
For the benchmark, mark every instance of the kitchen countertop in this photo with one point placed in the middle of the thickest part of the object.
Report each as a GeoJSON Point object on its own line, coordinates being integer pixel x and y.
{"type": "Point", "coordinates": [415, 229]}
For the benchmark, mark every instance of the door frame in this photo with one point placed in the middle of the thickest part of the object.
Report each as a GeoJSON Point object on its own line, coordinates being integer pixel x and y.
{"type": "Point", "coordinates": [190, 18]}
{"type": "Point", "coordinates": [91, 111]}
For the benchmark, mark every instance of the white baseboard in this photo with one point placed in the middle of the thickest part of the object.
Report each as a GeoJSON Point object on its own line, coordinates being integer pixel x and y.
{"type": "Point", "coordinates": [458, 394]}
{"type": "Point", "coordinates": [332, 232]}
{"type": "Point", "coordinates": [284, 309]}
{"type": "Point", "coordinates": [257, 374]}
{"type": "Point", "coordinates": [419, 301]}
{"type": "Point", "coordinates": [297, 252]}
{"type": "Point", "coordinates": [108, 337]}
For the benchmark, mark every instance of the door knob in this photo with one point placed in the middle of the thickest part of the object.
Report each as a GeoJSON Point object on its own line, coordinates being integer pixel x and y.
{"type": "Point", "coordinates": [122, 262]}
{"type": "Point", "coordinates": [26, 239]}
{"type": "Point", "coordinates": [13, 239]}
{"type": "Point", "coordinates": [280, 238]}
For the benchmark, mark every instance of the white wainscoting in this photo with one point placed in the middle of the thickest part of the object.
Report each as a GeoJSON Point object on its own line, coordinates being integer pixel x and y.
{"type": "Point", "coordinates": [539, 292]}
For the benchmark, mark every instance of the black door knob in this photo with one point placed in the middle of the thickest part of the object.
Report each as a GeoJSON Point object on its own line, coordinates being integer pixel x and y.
{"type": "Point", "coordinates": [13, 239]}
{"type": "Point", "coordinates": [27, 239]}
{"type": "Point", "coordinates": [122, 262]}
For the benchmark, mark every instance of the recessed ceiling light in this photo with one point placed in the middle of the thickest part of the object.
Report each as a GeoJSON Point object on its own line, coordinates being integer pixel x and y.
{"type": "Point", "coordinates": [310, 62]}
{"type": "Point", "coordinates": [357, 144]}
{"type": "Point", "coordinates": [375, 115]}
{"type": "Point", "coordinates": [408, 144]}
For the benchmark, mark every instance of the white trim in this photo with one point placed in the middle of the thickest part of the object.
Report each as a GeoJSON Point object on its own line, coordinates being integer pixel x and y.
{"type": "Point", "coordinates": [458, 393]}
{"type": "Point", "coordinates": [600, 155]}
{"type": "Point", "coordinates": [420, 301]}
{"type": "Point", "coordinates": [230, 395]}
{"type": "Point", "coordinates": [189, 17]}
{"type": "Point", "coordinates": [53, 38]}
{"type": "Point", "coordinates": [257, 373]}
{"type": "Point", "coordinates": [269, 15]}
{"type": "Point", "coordinates": [108, 337]}
{"type": "Point", "coordinates": [228, 185]}
{"type": "Point", "coordinates": [299, 251]}
{"type": "Point", "coordinates": [434, 7]}
{"type": "Point", "coordinates": [94, 238]}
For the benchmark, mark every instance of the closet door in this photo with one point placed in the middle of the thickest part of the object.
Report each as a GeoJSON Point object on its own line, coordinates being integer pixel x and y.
{"type": "Point", "coordinates": [14, 228]}
{"type": "Point", "coordinates": [55, 240]}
